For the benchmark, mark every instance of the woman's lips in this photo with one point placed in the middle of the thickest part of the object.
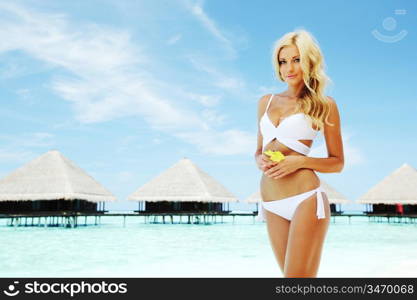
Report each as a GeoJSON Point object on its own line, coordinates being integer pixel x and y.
{"type": "Point", "coordinates": [292, 76]}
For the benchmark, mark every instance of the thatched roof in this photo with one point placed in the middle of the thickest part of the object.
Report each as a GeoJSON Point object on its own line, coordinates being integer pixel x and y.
{"type": "Point", "coordinates": [254, 198]}
{"type": "Point", "coordinates": [184, 181]}
{"type": "Point", "coordinates": [398, 187]}
{"type": "Point", "coordinates": [52, 176]}
{"type": "Point", "coordinates": [334, 196]}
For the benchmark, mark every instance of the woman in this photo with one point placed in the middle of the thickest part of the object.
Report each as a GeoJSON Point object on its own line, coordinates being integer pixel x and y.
{"type": "Point", "coordinates": [294, 206]}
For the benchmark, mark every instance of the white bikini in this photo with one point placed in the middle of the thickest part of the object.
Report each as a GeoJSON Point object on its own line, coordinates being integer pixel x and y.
{"type": "Point", "coordinates": [289, 131]}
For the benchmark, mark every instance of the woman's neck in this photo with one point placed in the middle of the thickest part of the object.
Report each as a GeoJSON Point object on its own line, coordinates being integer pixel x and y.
{"type": "Point", "coordinates": [293, 92]}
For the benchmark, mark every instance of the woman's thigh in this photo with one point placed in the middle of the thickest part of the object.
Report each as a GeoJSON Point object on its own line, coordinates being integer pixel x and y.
{"type": "Point", "coordinates": [278, 235]}
{"type": "Point", "coordinates": [305, 239]}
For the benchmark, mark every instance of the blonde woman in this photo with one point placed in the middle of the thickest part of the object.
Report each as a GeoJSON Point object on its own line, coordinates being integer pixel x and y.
{"type": "Point", "coordinates": [294, 206]}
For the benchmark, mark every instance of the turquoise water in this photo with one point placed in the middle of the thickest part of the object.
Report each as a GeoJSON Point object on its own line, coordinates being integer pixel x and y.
{"type": "Point", "coordinates": [242, 249]}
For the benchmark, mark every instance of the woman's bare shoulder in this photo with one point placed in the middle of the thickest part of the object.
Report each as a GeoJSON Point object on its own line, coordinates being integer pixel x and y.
{"type": "Point", "coordinates": [333, 104]}
{"type": "Point", "coordinates": [331, 100]}
{"type": "Point", "coordinates": [262, 103]}
{"type": "Point", "coordinates": [334, 110]}
{"type": "Point", "coordinates": [264, 100]}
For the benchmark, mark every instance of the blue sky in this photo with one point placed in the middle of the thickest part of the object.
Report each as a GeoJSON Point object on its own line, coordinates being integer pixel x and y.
{"type": "Point", "coordinates": [127, 88]}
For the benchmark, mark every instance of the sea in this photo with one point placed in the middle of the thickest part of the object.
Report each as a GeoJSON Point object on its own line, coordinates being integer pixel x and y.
{"type": "Point", "coordinates": [236, 247]}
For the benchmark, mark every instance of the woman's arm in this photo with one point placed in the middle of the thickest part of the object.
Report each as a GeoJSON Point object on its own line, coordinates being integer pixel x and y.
{"type": "Point", "coordinates": [335, 161]}
{"type": "Point", "coordinates": [262, 161]}
{"type": "Point", "coordinates": [261, 108]}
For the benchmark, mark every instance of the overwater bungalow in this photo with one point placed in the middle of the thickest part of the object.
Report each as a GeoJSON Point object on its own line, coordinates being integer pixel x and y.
{"type": "Point", "coordinates": [396, 194]}
{"type": "Point", "coordinates": [51, 183]}
{"type": "Point", "coordinates": [183, 187]}
{"type": "Point", "coordinates": [336, 199]}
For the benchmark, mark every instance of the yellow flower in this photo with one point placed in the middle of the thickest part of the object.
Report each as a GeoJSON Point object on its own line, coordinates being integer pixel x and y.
{"type": "Point", "coordinates": [276, 156]}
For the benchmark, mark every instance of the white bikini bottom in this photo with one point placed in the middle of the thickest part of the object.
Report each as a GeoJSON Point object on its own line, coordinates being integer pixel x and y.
{"type": "Point", "coordinates": [286, 207]}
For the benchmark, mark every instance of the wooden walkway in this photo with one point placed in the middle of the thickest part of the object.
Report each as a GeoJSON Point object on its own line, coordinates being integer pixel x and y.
{"type": "Point", "coordinates": [75, 219]}
{"type": "Point", "coordinates": [51, 219]}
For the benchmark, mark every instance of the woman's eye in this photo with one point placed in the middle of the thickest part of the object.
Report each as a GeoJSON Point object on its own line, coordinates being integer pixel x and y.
{"type": "Point", "coordinates": [283, 62]}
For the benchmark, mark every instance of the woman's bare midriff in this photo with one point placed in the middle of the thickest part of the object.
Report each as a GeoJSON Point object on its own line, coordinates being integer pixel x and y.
{"type": "Point", "coordinates": [297, 182]}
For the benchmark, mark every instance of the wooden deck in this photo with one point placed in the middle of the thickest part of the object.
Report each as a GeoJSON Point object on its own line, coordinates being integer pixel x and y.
{"type": "Point", "coordinates": [75, 219]}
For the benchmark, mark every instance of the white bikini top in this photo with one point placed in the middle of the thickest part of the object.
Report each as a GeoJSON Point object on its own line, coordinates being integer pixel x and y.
{"type": "Point", "coordinates": [290, 130]}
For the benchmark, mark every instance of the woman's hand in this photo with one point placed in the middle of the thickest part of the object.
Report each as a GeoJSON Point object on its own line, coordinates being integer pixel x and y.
{"type": "Point", "coordinates": [264, 163]}
{"type": "Point", "coordinates": [290, 164]}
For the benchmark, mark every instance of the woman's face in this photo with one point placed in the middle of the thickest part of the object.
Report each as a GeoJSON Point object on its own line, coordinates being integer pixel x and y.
{"type": "Point", "coordinates": [289, 65]}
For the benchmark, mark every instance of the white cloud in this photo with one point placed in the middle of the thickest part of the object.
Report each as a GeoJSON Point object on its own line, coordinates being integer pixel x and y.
{"type": "Point", "coordinates": [196, 9]}
{"type": "Point", "coordinates": [41, 139]}
{"type": "Point", "coordinates": [128, 143]}
{"type": "Point", "coordinates": [205, 100]}
{"type": "Point", "coordinates": [267, 90]}
{"type": "Point", "coordinates": [27, 140]}
{"type": "Point", "coordinates": [17, 148]}
{"type": "Point", "coordinates": [352, 154]}
{"type": "Point", "coordinates": [174, 39]}
{"type": "Point", "coordinates": [105, 80]}
{"type": "Point", "coordinates": [26, 96]}
{"type": "Point", "coordinates": [213, 117]}
{"type": "Point", "coordinates": [104, 75]}
{"type": "Point", "coordinates": [229, 142]}
{"type": "Point", "coordinates": [23, 93]}
{"type": "Point", "coordinates": [11, 70]}
{"type": "Point", "coordinates": [221, 80]}
{"type": "Point", "coordinates": [15, 156]}
{"type": "Point", "coordinates": [157, 141]}
{"type": "Point", "coordinates": [13, 114]}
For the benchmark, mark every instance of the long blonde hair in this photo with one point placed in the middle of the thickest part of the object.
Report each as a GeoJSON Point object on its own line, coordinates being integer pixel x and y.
{"type": "Point", "coordinates": [312, 100]}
